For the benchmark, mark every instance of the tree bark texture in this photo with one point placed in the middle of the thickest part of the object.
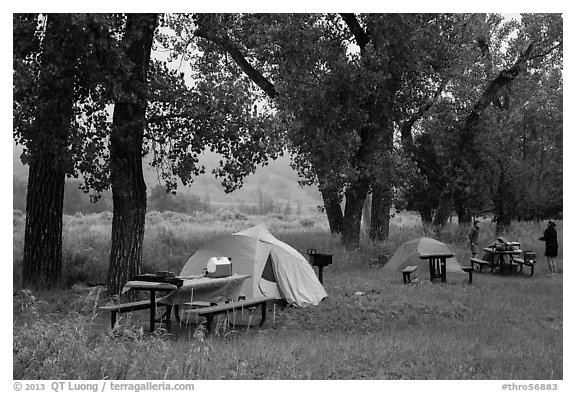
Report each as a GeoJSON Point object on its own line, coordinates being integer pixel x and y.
{"type": "Point", "coordinates": [444, 210]}
{"type": "Point", "coordinates": [381, 205]}
{"type": "Point", "coordinates": [48, 162]}
{"type": "Point", "coordinates": [333, 209]}
{"type": "Point", "coordinates": [426, 215]}
{"type": "Point", "coordinates": [464, 216]}
{"type": "Point", "coordinates": [463, 210]}
{"type": "Point", "coordinates": [42, 263]}
{"type": "Point", "coordinates": [502, 210]}
{"type": "Point", "coordinates": [367, 213]}
{"type": "Point", "coordinates": [355, 197]}
{"type": "Point", "coordinates": [128, 186]}
{"type": "Point", "coordinates": [381, 178]}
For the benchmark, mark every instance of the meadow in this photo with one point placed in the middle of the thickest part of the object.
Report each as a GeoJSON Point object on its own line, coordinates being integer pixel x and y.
{"type": "Point", "coordinates": [371, 326]}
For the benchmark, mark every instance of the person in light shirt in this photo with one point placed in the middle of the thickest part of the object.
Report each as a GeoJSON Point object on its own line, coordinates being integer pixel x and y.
{"type": "Point", "coordinates": [473, 237]}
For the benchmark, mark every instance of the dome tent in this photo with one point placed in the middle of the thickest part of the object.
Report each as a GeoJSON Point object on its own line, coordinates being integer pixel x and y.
{"type": "Point", "coordinates": [275, 268]}
{"type": "Point", "coordinates": [409, 254]}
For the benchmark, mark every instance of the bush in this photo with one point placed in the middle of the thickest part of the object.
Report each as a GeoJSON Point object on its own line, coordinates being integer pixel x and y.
{"type": "Point", "coordinates": [230, 215]}
{"type": "Point", "coordinates": [307, 222]}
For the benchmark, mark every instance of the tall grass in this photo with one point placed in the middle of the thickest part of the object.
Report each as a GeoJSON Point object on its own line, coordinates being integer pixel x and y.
{"type": "Point", "coordinates": [371, 326]}
{"type": "Point", "coordinates": [171, 238]}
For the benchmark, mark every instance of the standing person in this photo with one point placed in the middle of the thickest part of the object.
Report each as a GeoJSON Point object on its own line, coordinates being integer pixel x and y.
{"type": "Point", "coordinates": [473, 237]}
{"type": "Point", "coordinates": [551, 239]}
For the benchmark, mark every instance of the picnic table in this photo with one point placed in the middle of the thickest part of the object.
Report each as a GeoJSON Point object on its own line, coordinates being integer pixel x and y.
{"type": "Point", "coordinates": [195, 290]}
{"type": "Point", "coordinates": [500, 258]}
{"type": "Point", "coordinates": [437, 264]}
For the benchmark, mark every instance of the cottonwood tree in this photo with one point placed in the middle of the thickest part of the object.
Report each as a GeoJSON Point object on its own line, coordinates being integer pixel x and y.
{"type": "Point", "coordinates": [126, 139]}
{"type": "Point", "coordinates": [156, 113]}
{"type": "Point", "coordinates": [56, 65]}
{"type": "Point", "coordinates": [111, 69]}
{"type": "Point", "coordinates": [247, 39]}
{"type": "Point", "coordinates": [538, 41]}
{"type": "Point", "coordinates": [343, 106]}
{"type": "Point", "coordinates": [538, 135]}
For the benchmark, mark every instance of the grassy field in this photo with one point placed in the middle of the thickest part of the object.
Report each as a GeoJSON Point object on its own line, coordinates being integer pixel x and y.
{"type": "Point", "coordinates": [500, 327]}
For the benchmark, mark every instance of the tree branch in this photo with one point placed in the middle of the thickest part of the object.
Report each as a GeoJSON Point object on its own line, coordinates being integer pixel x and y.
{"type": "Point", "coordinates": [547, 52]}
{"type": "Point", "coordinates": [255, 75]}
{"type": "Point", "coordinates": [362, 38]}
{"type": "Point", "coordinates": [406, 127]}
{"type": "Point", "coordinates": [503, 79]}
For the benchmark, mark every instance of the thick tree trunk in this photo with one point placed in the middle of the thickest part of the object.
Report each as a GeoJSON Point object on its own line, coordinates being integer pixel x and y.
{"type": "Point", "coordinates": [426, 216]}
{"type": "Point", "coordinates": [128, 186]}
{"type": "Point", "coordinates": [381, 205]}
{"type": "Point", "coordinates": [367, 214]}
{"type": "Point", "coordinates": [333, 209]}
{"type": "Point", "coordinates": [502, 213]}
{"type": "Point", "coordinates": [381, 181]}
{"type": "Point", "coordinates": [444, 210]}
{"type": "Point", "coordinates": [42, 260]}
{"type": "Point", "coordinates": [463, 211]}
{"type": "Point", "coordinates": [464, 216]}
{"type": "Point", "coordinates": [355, 197]}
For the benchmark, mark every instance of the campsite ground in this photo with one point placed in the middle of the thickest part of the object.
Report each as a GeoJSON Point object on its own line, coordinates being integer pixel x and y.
{"type": "Point", "coordinates": [499, 327]}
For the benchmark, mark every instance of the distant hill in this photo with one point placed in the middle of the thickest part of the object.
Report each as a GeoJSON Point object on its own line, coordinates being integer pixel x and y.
{"type": "Point", "coordinates": [275, 184]}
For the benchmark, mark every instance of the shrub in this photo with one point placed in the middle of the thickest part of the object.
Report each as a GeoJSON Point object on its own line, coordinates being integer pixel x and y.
{"type": "Point", "coordinates": [307, 222]}
{"type": "Point", "coordinates": [230, 215]}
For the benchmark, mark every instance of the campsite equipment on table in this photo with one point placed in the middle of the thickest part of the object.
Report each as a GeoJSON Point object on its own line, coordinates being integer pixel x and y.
{"type": "Point", "coordinates": [408, 254]}
{"type": "Point", "coordinates": [503, 244]}
{"type": "Point", "coordinates": [320, 260]}
{"type": "Point", "coordinates": [218, 267]}
{"type": "Point", "coordinates": [276, 269]}
{"type": "Point", "coordinates": [161, 277]}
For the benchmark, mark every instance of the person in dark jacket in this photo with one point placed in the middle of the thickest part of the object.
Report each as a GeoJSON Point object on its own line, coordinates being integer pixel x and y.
{"type": "Point", "coordinates": [551, 240]}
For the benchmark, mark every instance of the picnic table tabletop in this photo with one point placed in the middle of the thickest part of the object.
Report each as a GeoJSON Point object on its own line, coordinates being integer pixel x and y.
{"type": "Point", "coordinates": [148, 285]}
{"type": "Point", "coordinates": [437, 255]}
{"type": "Point", "coordinates": [206, 289]}
{"type": "Point", "coordinates": [503, 252]}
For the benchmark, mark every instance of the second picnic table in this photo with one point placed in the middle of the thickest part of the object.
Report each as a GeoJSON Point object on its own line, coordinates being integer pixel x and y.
{"type": "Point", "coordinates": [501, 257]}
{"type": "Point", "coordinates": [437, 264]}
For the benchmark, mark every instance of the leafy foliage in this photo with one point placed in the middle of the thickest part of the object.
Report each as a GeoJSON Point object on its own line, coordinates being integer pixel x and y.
{"type": "Point", "coordinates": [219, 112]}
{"type": "Point", "coordinates": [486, 164]}
{"type": "Point", "coordinates": [85, 140]}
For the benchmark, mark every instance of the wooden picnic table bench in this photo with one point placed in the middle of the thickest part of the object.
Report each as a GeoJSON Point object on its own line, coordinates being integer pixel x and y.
{"type": "Point", "coordinates": [408, 270]}
{"type": "Point", "coordinates": [469, 270]}
{"type": "Point", "coordinates": [127, 307]}
{"type": "Point", "coordinates": [481, 263]}
{"type": "Point", "coordinates": [210, 312]}
{"type": "Point", "coordinates": [522, 262]}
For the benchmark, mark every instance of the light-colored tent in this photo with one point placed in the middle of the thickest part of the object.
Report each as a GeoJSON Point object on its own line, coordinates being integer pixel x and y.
{"type": "Point", "coordinates": [275, 268]}
{"type": "Point", "coordinates": [409, 254]}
